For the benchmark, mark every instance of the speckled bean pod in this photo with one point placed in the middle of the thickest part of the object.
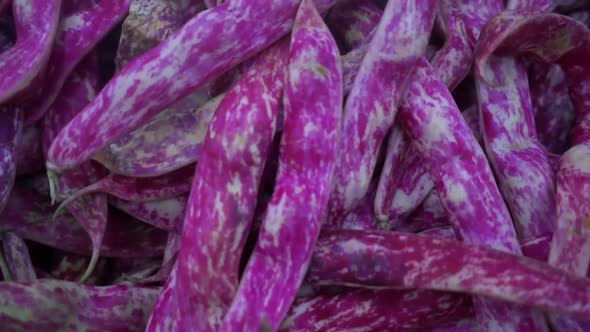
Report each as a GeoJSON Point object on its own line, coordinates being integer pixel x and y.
{"type": "Point", "coordinates": [559, 39]}
{"type": "Point", "coordinates": [537, 248]}
{"type": "Point", "coordinates": [90, 210]}
{"type": "Point", "coordinates": [465, 183]}
{"type": "Point", "coordinates": [403, 193]}
{"type": "Point", "coordinates": [77, 34]}
{"type": "Point", "coordinates": [156, 188]}
{"type": "Point", "coordinates": [350, 257]}
{"type": "Point", "coordinates": [31, 51]}
{"type": "Point", "coordinates": [401, 190]}
{"type": "Point", "coordinates": [171, 140]}
{"type": "Point", "coordinates": [55, 305]}
{"type": "Point", "coordinates": [166, 214]}
{"type": "Point", "coordinates": [17, 258]}
{"type": "Point", "coordinates": [363, 215]}
{"type": "Point", "coordinates": [453, 60]}
{"type": "Point", "coordinates": [396, 151]}
{"type": "Point", "coordinates": [517, 156]}
{"type": "Point", "coordinates": [178, 132]}
{"type": "Point", "coordinates": [351, 62]}
{"type": "Point", "coordinates": [400, 38]}
{"type": "Point", "coordinates": [225, 188]}
{"type": "Point", "coordinates": [313, 105]}
{"type": "Point", "coordinates": [203, 48]}
{"type": "Point", "coordinates": [365, 310]}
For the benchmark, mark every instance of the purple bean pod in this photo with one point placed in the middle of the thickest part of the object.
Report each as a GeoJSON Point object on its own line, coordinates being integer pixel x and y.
{"type": "Point", "coordinates": [167, 214]}
{"type": "Point", "coordinates": [452, 63]}
{"type": "Point", "coordinates": [559, 39]}
{"type": "Point", "coordinates": [201, 49]}
{"type": "Point", "coordinates": [77, 34]}
{"type": "Point", "coordinates": [517, 156]}
{"type": "Point", "coordinates": [31, 51]}
{"type": "Point", "coordinates": [453, 60]}
{"type": "Point", "coordinates": [376, 310]}
{"type": "Point", "coordinates": [401, 260]}
{"type": "Point", "coordinates": [411, 187]}
{"type": "Point", "coordinates": [90, 210]}
{"type": "Point", "coordinates": [225, 188]}
{"type": "Point", "coordinates": [400, 38]}
{"type": "Point", "coordinates": [17, 258]}
{"type": "Point", "coordinates": [164, 316]}
{"type": "Point", "coordinates": [387, 185]}
{"type": "Point", "coordinates": [351, 62]}
{"type": "Point", "coordinates": [313, 104]}
{"type": "Point", "coordinates": [465, 183]}
{"type": "Point", "coordinates": [171, 140]}
{"type": "Point", "coordinates": [55, 305]}
{"type": "Point", "coordinates": [133, 189]}
{"type": "Point", "coordinates": [178, 131]}
{"type": "Point", "coordinates": [537, 248]}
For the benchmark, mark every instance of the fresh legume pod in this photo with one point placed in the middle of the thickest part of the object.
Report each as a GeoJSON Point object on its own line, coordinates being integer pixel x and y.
{"type": "Point", "coordinates": [313, 104]}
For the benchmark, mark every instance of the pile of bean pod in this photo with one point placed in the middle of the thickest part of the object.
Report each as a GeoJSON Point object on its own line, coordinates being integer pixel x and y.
{"type": "Point", "coordinates": [294, 165]}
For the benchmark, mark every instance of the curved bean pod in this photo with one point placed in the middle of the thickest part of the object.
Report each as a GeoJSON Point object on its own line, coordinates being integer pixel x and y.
{"type": "Point", "coordinates": [31, 51]}
{"type": "Point", "coordinates": [203, 48]}
{"type": "Point", "coordinates": [372, 103]}
{"type": "Point", "coordinates": [313, 104]}
{"type": "Point", "coordinates": [139, 189]}
{"type": "Point", "coordinates": [17, 258]}
{"type": "Point", "coordinates": [567, 43]}
{"type": "Point", "coordinates": [375, 310]}
{"type": "Point", "coordinates": [91, 210]}
{"type": "Point", "coordinates": [465, 182]}
{"type": "Point", "coordinates": [76, 35]}
{"type": "Point", "coordinates": [55, 305]}
{"type": "Point", "coordinates": [349, 257]}
{"type": "Point", "coordinates": [225, 188]}
{"type": "Point", "coordinates": [166, 214]}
